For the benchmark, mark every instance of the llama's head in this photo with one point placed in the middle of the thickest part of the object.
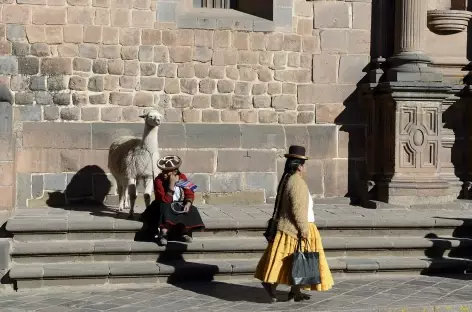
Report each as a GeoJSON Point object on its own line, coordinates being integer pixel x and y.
{"type": "Point", "coordinates": [152, 118]}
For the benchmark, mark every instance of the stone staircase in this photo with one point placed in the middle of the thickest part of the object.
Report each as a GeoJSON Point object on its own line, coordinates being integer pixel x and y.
{"type": "Point", "coordinates": [59, 247]}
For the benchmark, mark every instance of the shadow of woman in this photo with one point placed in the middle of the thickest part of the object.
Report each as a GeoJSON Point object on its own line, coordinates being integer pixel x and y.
{"type": "Point", "coordinates": [185, 275]}
{"type": "Point", "coordinates": [199, 277]}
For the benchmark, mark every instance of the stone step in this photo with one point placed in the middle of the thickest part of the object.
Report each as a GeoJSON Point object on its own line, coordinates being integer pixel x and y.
{"type": "Point", "coordinates": [226, 248]}
{"type": "Point", "coordinates": [79, 274]}
{"type": "Point", "coordinates": [34, 229]}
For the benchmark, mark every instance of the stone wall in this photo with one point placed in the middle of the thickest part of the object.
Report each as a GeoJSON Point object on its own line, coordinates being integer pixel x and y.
{"type": "Point", "coordinates": [78, 66]}
{"type": "Point", "coordinates": [229, 163]}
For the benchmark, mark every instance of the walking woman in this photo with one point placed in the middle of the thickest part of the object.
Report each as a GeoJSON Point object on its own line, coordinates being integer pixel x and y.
{"type": "Point", "coordinates": [295, 219]}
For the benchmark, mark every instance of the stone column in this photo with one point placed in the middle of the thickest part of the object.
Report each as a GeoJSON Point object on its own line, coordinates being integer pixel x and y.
{"type": "Point", "coordinates": [410, 62]}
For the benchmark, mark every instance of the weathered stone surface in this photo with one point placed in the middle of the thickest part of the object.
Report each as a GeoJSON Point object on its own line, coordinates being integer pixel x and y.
{"type": "Point", "coordinates": [121, 98]}
{"type": "Point", "coordinates": [148, 69]}
{"type": "Point", "coordinates": [262, 101]}
{"type": "Point", "coordinates": [56, 135]}
{"type": "Point", "coordinates": [213, 136]}
{"type": "Point", "coordinates": [104, 134]}
{"type": "Point", "coordinates": [312, 93]}
{"type": "Point", "coordinates": [70, 113]}
{"type": "Point", "coordinates": [189, 86]}
{"type": "Point", "coordinates": [38, 83]}
{"type": "Point", "coordinates": [284, 102]}
{"type": "Point", "coordinates": [226, 182]}
{"type": "Point", "coordinates": [55, 66]}
{"type": "Point", "coordinates": [152, 83]}
{"type": "Point", "coordinates": [61, 99]}
{"type": "Point", "coordinates": [325, 68]}
{"type": "Point", "coordinates": [262, 136]}
{"type": "Point", "coordinates": [336, 177]}
{"type": "Point", "coordinates": [332, 15]}
{"type": "Point", "coordinates": [57, 83]}
{"type": "Point", "coordinates": [268, 116]}
{"type": "Point", "coordinates": [28, 65]}
{"type": "Point", "coordinates": [246, 161]}
{"type": "Point", "coordinates": [323, 141]}
{"type": "Point", "coordinates": [44, 98]}
{"type": "Point", "coordinates": [143, 99]}
{"type": "Point", "coordinates": [8, 65]}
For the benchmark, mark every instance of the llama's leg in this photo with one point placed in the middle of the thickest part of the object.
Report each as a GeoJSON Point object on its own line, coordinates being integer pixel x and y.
{"type": "Point", "coordinates": [132, 192]}
{"type": "Point", "coordinates": [125, 196]}
{"type": "Point", "coordinates": [147, 191]}
{"type": "Point", "coordinates": [119, 189]}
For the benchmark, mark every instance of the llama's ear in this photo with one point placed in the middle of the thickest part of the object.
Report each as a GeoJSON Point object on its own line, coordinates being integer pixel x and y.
{"type": "Point", "coordinates": [143, 116]}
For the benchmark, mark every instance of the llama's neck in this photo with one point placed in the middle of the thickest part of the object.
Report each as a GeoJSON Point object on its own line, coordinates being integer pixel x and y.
{"type": "Point", "coordinates": [150, 138]}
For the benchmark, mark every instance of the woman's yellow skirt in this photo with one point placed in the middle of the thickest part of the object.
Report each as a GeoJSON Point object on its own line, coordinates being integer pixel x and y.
{"type": "Point", "coordinates": [275, 265]}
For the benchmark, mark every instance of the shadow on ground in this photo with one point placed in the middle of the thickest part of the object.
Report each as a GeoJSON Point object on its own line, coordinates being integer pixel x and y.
{"type": "Point", "coordinates": [451, 256]}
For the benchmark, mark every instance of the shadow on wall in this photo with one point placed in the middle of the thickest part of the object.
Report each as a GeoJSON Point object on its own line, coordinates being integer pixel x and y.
{"type": "Point", "coordinates": [352, 130]}
{"type": "Point", "coordinates": [90, 185]}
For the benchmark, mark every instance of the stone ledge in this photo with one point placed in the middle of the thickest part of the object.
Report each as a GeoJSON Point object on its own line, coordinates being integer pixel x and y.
{"type": "Point", "coordinates": [215, 267]}
{"type": "Point", "coordinates": [69, 224]}
{"type": "Point", "coordinates": [242, 244]}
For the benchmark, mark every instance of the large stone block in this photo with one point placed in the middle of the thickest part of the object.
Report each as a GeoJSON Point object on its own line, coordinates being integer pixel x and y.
{"type": "Point", "coordinates": [315, 94]}
{"type": "Point", "coordinates": [55, 182]}
{"type": "Point", "coordinates": [323, 141]}
{"type": "Point", "coordinates": [56, 135]}
{"type": "Point", "coordinates": [104, 134]}
{"type": "Point", "coordinates": [361, 15]}
{"type": "Point", "coordinates": [172, 135]}
{"type": "Point", "coordinates": [56, 66]}
{"type": "Point", "coordinates": [332, 14]}
{"type": "Point", "coordinates": [246, 161]}
{"type": "Point", "coordinates": [226, 182]}
{"type": "Point", "coordinates": [351, 68]}
{"type": "Point", "coordinates": [336, 177]}
{"type": "Point", "coordinates": [237, 198]}
{"type": "Point", "coordinates": [23, 191]}
{"type": "Point", "coordinates": [49, 160]}
{"type": "Point", "coordinates": [8, 65]}
{"type": "Point", "coordinates": [297, 135]}
{"type": "Point", "coordinates": [6, 173]}
{"type": "Point", "coordinates": [213, 136]}
{"type": "Point", "coordinates": [325, 68]}
{"type": "Point", "coordinates": [262, 137]}
{"type": "Point", "coordinates": [254, 181]}
{"type": "Point", "coordinates": [328, 113]}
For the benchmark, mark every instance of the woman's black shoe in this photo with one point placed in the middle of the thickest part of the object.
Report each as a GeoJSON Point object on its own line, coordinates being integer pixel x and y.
{"type": "Point", "coordinates": [297, 297]}
{"type": "Point", "coordinates": [269, 288]}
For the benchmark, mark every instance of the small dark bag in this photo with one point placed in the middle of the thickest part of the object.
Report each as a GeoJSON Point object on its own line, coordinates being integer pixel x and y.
{"type": "Point", "coordinates": [271, 230]}
{"type": "Point", "coordinates": [305, 267]}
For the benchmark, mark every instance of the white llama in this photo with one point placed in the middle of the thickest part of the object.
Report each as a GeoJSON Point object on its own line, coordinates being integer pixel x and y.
{"type": "Point", "coordinates": [131, 159]}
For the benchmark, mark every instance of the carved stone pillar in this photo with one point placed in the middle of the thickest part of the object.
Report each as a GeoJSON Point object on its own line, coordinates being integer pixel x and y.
{"type": "Point", "coordinates": [410, 63]}
{"type": "Point", "coordinates": [411, 129]}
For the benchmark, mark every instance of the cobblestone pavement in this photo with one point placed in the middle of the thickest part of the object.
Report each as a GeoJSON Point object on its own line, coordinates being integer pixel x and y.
{"type": "Point", "coordinates": [425, 294]}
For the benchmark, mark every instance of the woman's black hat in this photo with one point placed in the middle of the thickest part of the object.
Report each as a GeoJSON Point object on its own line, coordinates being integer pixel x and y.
{"type": "Point", "coordinates": [296, 151]}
